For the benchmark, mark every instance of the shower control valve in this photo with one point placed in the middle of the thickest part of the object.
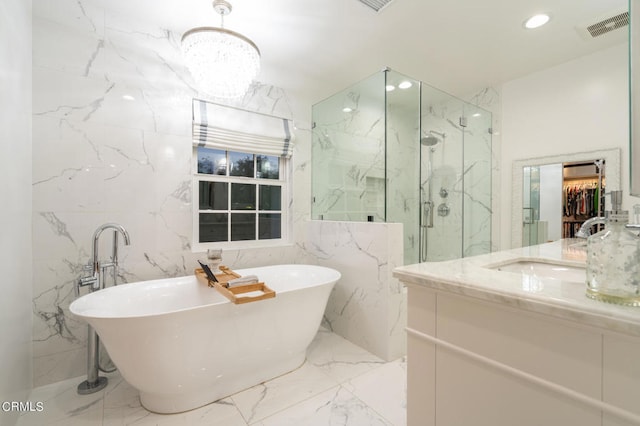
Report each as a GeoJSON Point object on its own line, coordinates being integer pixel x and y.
{"type": "Point", "coordinates": [443, 210]}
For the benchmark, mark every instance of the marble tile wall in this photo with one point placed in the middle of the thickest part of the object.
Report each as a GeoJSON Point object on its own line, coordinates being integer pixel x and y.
{"type": "Point", "coordinates": [112, 143]}
{"type": "Point", "coordinates": [15, 212]}
{"type": "Point", "coordinates": [367, 306]}
{"type": "Point", "coordinates": [350, 143]}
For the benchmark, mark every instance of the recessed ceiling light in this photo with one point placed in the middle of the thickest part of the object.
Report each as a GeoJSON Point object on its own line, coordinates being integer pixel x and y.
{"type": "Point", "coordinates": [128, 98]}
{"type": "Point", "coordinates": [477, 114]}
{"type": "Point", "coordinates": [346, 109]}
{"type": "Point", "coordinates": [390, 87]}
{"type": "Point", "coordinates": [405, 85]}
{"type": "Point", "coordinates": [537, 21]}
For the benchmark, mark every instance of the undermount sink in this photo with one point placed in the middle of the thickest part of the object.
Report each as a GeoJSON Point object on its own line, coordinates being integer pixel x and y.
{"type": "Point", "coordinates": [544, 269]}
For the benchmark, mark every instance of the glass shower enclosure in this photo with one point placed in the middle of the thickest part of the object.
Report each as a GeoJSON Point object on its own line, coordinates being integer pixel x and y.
{"type": "Point", "coordinates": [391, 148]}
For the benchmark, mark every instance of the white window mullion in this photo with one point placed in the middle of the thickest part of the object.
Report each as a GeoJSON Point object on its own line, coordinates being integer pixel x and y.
{"type": "Point", "coordinates": [257, 216]}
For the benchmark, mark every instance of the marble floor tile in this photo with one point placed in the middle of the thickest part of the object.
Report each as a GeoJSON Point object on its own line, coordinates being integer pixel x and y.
{"type": "Point", "coordinates": [339, 384]}
{"type": "Point", "coordinates": [385, 390]}
{"type": "Point", "coordinates": [339, 358]}
{"type": "Point", "coordinates": [122, 407]}
{"type": "Point", "coordinates": [62, 405]}
{"type": "Point", "coordinates": [282, 392]}
{"type": "Point", "coordinates": [336, 406]}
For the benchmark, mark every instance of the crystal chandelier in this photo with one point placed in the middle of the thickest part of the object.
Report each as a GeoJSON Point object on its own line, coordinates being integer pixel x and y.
{"type": "Point", "coordinates": [223, 63]}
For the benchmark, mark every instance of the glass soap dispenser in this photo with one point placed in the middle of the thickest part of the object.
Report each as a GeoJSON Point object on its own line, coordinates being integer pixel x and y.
{"type": "Point", "coordinates": [613, 259]}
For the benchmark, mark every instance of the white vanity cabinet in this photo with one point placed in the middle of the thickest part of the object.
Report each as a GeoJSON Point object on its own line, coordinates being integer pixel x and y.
{"type": "Point", "coordinates": [499, 352]}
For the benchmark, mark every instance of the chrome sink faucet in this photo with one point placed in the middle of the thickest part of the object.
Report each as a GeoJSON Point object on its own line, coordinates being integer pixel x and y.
{"type": "Point", "coordinates": [616, 201]}
{"type": "Point", "coordinates": [585, 229]}
{"type": "Point", "coordinates": [95, 268]}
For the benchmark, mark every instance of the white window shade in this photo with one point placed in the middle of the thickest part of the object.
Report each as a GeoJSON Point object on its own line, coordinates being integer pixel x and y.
{"type": "Point", "coordinates": [232, 129]}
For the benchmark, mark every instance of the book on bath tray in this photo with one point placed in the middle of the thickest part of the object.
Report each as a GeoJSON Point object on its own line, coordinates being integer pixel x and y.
{"type": "Point", "coordinates": [233, 286]}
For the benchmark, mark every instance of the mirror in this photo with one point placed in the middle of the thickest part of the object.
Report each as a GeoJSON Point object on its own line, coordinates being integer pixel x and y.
{"type": "Point", "coordinates": [634, 88]}
{"type": "Point", "coordinates": [536, 173]}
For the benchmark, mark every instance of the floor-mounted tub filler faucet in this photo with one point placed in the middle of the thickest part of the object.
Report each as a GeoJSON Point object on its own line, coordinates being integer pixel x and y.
{"type": "Point", "coordinates": [96, 280]}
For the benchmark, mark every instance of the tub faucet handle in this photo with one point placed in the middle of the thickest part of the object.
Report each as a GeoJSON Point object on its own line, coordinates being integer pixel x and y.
{"type": "Point", "coordinates": [87, 278]}
{"type": "Point", "coordinates": [85, 281]}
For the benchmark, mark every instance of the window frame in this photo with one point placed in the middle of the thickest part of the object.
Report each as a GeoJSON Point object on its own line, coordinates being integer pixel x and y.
{"type": "Point", "coordinates": [283, 182]}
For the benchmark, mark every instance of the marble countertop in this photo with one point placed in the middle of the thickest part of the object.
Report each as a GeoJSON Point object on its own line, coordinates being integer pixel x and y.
{"type": "Point", "coordinates": [474, 277]}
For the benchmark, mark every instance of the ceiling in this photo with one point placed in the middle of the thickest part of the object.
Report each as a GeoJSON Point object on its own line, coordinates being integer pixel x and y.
{"type": "Point", "coordinates": [315, 48]}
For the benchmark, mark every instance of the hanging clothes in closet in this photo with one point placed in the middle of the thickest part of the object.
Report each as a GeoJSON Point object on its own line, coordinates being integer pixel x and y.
{"type": "Point", "coordinates": [581, 200]}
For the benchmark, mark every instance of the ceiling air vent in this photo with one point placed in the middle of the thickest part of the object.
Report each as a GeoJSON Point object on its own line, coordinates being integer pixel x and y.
{"type": "Point", "coordinates": [376, 5]}
{"type": "Point", "coordinates": [604, 25]}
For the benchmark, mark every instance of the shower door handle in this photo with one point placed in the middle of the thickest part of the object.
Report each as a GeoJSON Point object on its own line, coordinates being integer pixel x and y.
{"type": "Point", "coordinates": [427, 222]}
{"type": "Point", "coordinates": [428, 213]}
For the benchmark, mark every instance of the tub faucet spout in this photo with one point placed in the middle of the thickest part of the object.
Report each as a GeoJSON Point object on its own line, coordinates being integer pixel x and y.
{"type": "Point", "coordinates": [96, 280]}
{"type": "Point", "coordinates": [95, 262]}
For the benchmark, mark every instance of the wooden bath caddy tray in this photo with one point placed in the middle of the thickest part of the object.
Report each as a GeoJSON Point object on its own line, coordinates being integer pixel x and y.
{"type": "Point", "coordinates": [235, 294]}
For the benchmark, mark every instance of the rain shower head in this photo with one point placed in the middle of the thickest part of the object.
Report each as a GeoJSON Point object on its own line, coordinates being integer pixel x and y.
{"type": "Point", "coordinates": [429, 140]}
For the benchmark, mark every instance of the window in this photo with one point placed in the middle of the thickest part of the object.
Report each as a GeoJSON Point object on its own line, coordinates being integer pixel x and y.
{"type": "Point", "coordinates": [239, 197]}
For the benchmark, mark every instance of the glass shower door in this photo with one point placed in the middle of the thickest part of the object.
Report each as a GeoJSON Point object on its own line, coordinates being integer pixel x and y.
{"type": "Point", "coordinates": [348, 152]}
{"type": "Point", "coordinates": [530, 205]}
{"type": "Point", "coordinates": [403, 157]}
{"type": "Point", "coordinates": [441, 183]}
{"type": "Point", "coordinates": [476, 238]}
{"type": "Point", "coordinates": [455, 177]}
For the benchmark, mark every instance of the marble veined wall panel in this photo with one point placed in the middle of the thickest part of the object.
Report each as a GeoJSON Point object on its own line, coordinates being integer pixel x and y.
{"type": "Point", "coordinates": [367, 305]}
{"type": "Point", "coordinates": [112, 143]}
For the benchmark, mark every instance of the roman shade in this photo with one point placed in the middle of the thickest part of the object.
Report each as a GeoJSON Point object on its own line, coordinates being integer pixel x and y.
{"type": "Point", "coordinates": [233, 129]}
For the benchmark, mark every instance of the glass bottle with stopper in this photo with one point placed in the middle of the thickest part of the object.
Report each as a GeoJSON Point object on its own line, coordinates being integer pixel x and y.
{"type": "Point", "coordinates": [613, 259]}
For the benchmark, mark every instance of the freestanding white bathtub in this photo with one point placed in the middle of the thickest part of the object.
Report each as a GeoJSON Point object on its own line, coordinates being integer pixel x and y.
{"type": "Point", "coordinates": [183, 345]}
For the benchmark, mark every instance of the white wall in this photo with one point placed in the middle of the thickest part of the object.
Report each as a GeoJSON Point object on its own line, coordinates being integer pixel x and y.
{"type": "Point", "coordinates": [581, 105]}
{"type": "Point", "coordinates": [15, 193]}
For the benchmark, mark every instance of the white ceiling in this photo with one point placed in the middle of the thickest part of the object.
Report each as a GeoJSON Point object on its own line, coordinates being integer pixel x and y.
{"type": "Point", "coordinates": [315, 48]}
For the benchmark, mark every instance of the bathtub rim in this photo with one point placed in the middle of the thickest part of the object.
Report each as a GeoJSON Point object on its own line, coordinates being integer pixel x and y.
{"type": "Point", "coordinates": [221, 299]}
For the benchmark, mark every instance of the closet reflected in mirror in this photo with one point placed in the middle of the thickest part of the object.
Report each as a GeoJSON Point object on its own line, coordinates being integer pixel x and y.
{"type": "Point", "coordinates": [553, 195]}
{"type": "Point", "coordinates": [558, 198]}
